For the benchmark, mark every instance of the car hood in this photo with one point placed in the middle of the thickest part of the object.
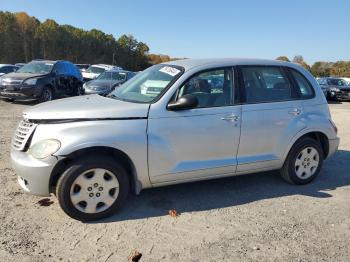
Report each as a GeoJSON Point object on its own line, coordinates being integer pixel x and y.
{"type": "Point", "coordinates": [91, 107]}
{"type": "Point", "coordinates": [101, 83]}
{"type": "Point", "coordinates": [21, 76]}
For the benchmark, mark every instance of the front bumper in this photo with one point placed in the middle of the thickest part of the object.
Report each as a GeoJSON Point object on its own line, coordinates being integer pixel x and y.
{"type": "Point", "coordinates": [343, 95]}
{"type": "Point", "coordinates": [333, 146]}
{"type": "Point", "coordinates": [33, 174]}
{"type": "Point", "coordinates": [32, 92]}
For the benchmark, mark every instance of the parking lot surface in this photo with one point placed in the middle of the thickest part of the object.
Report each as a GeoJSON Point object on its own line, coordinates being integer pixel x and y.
{"type": "Point", "coordinates": [255, 217]}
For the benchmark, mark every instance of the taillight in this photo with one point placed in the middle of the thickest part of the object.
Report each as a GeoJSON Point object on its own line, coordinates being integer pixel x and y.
{"type": "Point", "coordinates": [333, 126]}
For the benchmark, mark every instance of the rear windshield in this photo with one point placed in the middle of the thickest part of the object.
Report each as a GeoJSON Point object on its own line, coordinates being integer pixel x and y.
{"type": "Point", "coordinates": [95, 70]}
{"type": "Point", "coordinates": [117, 76]}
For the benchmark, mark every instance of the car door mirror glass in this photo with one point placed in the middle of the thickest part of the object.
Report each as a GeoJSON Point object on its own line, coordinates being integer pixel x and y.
{"type": "Point", "coordinates": [183, 103]}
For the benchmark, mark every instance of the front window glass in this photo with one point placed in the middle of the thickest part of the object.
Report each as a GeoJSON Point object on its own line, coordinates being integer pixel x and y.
{"type": "Point", "coordinates": [95, 70]}
{"type": "Point", "coordinates": [36, 68]}
{"type": "Point", "coordinates": [266, 84]}
{"type": "Point", "coordinates": [212, 88]}
{"type": "Point", "coordinates": [148, 85]}
{"type": "Point", "coordinates": [117, 76]}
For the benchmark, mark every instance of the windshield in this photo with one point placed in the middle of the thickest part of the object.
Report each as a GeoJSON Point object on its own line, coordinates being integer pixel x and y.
{"type": "Point", "coordinates": [36, 68]}
{"type": "Point", "coordinates": [117, 76]}
{"type": "Point", "coordinates": [148, 85]}
{"type": "Point", "coordinates": [336, 82]}
{"type": "Point", "coordinates": [95, 70]}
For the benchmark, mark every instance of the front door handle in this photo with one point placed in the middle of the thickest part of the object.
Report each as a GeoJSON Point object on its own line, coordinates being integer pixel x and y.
{"type": "Point", "coordinates": [230, 118]}
{"type": "Point", "coordinates": [295, 111]}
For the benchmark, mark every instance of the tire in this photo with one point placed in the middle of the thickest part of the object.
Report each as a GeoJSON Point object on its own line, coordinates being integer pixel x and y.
{"type": "Point", "coordinates": [8, 99]}
{"type": "Point", "coordinates": [46, 95]}
{"type": "Point", "coordinates": [86, 173]}
{"type": "Point", "coordinates": [303, 162]}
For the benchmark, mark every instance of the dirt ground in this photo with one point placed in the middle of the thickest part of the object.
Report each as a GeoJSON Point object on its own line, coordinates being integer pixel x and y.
{"type": "Point", "coordinates": [255, 217]}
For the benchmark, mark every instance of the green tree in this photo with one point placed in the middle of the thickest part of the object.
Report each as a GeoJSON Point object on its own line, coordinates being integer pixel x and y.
{"type": "Point", "coordinates": [24, 38]}
{"type": "Point", "coordinates": [283, 58]}
{"type": "Point", "coordinates": [321, 69]}
{"type": "Point", "coordinates": [300, 60]}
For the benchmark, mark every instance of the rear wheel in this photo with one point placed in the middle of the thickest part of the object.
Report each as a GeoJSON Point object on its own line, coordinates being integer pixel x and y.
{"type": "Point", "coordinates": [304, 162]}
{"type": "Point", "coordinates": [92, 188]}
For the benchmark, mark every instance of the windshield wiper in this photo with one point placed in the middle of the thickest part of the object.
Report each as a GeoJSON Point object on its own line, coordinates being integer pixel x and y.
{"type": "Point", "coordinates": [113, 96]}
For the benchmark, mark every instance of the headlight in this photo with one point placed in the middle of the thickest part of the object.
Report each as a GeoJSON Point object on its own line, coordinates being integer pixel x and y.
{"type": "Point", "coordinates": [334, 89]}
{"type": "Point", "coordinates": [44, 148]}
{"type": "Point", "coordinates": [84, 85]}
{"type": "Point", "coordinates": [30, 82]}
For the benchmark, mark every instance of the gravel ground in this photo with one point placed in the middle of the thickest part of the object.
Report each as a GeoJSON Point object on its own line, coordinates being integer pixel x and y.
{"type": "Point", "coordinates": [255, 217]}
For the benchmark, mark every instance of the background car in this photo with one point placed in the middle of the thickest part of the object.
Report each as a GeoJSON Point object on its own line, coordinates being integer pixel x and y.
{"type": "Point", "coordinates": [346, 79]}
{"type": "Point", "coordinates": [95, 70]}
{"type": "Point", "coordinates": [19, 65]}
{"type": "Point", "coordinates": [6, 68]}
{"type": "Point", "coordinates": [333, 88]}
{"type": "Point", "coordinates": [107, 81]}
{"type": "Point", "coordinates": [82, 67]}
{"type": "Point", "coordinates": [42, 80]}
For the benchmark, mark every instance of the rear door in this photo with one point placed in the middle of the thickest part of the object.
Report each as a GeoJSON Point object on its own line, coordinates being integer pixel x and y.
{"type": "Point", "coordinates": [271, 116]}
{"type": "Point", "coordinates": [201, 142]}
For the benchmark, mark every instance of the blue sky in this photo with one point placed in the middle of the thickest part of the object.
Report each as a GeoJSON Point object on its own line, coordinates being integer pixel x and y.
{"type": "Point", "coordinates": [318, 30]}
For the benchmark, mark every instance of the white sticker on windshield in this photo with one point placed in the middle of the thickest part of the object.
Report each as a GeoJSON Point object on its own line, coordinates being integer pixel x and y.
{"type": "Point", "coordinates": [169, 70]}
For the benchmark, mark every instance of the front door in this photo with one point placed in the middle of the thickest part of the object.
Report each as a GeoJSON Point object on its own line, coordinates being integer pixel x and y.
{"type": "Point", "coordinates": [201, 142]}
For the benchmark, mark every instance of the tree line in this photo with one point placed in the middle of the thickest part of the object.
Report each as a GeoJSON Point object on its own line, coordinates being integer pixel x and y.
{"type": "Point", "coordinates": [24, 38]}
{"type": "Point", "coordinates": [322, 68]}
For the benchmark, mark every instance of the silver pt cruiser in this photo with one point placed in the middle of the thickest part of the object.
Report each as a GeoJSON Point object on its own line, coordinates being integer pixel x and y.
{"type": "Point", "coordinates": [175, 122]}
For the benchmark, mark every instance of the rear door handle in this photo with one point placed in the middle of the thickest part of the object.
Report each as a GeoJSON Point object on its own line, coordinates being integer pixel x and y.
{"type": "Point", "coordinates": [230, 118]}
{"type": "Point", "coordinates": [295, 111]}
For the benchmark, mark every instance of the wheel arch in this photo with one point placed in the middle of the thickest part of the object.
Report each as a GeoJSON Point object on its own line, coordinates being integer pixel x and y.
{"type": "Point", "coordinates": [118, 155]}
{"type": "Point", "coordinates": [317, 135]}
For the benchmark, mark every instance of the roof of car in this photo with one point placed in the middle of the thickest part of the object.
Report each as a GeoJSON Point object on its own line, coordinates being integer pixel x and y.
{"type": "Point", "coordinates": [45, 61]}
{"type": "Point", "coordinates": [118, 70]}
{"type": "Point", "coordinates": [105, 66]}
{"type": "Point", "coordinates": [1, 65]}
{"type": "Point", "coordinates": [191, 63]}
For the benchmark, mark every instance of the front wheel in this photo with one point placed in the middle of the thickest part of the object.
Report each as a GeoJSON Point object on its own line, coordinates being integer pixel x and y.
{"type": "Point", "coordinates": [92, 188]}
{"type": "Point", "coordinates": [303, 163]}
{"type": "Point", "coordinates": [46, 95]}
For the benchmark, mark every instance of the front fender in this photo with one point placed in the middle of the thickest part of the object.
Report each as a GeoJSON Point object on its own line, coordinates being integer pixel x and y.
{"type": "Point", "coordinates": [127, 136]}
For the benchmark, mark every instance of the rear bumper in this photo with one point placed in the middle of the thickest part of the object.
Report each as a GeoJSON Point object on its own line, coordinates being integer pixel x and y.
{"type": "Point", "coordinates": [333, 146]}
{"type": "Point", "coordinates": [33, 174]}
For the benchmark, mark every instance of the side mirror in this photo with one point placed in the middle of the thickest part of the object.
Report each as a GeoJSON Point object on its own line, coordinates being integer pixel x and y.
{"type": "Point", "coordinates": [184, 102]}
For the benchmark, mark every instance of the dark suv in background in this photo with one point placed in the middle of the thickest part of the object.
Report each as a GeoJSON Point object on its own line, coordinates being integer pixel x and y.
{"type": "Point", "coordinates": [42, 80]}
{"type": "Point", "coordinates": [5, 69]}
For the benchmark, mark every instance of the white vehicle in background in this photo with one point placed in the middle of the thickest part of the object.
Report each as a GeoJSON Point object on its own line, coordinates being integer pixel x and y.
{"type": "Point", "coordinates": [95, 70]}
{"type": "Point", "coordinates": [346, 79]}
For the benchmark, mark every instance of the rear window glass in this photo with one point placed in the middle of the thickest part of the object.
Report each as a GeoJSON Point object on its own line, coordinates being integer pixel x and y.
{"type": "Point", "coordinates": [305, 88]}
